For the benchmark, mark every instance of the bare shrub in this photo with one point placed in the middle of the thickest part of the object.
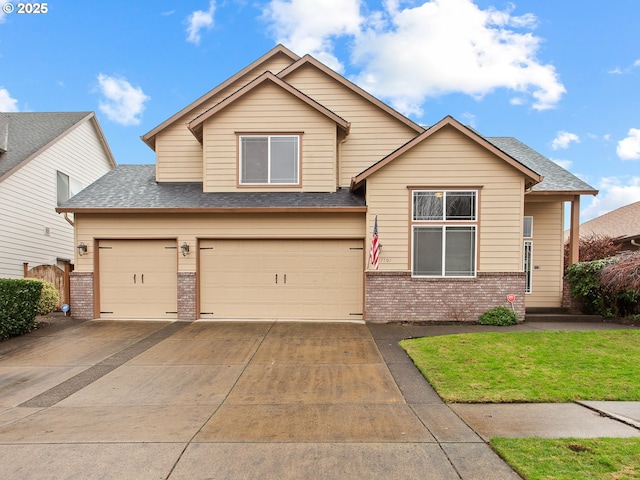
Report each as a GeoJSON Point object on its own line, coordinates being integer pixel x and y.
{"type": "Point", "coordinates": [622, 275]}
{"type": "Point", "coordinates": [593, 247]}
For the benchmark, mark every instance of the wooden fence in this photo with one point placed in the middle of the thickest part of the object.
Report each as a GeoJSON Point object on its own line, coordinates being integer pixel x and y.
{"type": "Point", "coordinates": [54, 275]}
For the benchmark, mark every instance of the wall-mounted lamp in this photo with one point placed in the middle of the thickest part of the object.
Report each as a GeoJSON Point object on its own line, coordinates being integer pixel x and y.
{"type": "Point", "coordinates": [185, 249]}
{"type": "Point", "coordinates": [82, 248]}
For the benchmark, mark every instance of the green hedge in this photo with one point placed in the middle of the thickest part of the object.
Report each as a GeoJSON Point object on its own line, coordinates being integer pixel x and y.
{"type": "Point", "coordinates": [19, 301]}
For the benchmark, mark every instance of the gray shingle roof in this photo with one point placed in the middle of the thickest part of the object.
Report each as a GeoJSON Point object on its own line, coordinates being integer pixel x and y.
{"type": "Point", "coordinates": [556, 178]}
{"type": "Point", "coordinates": [134, 187]}
{"type": "Point", "coordinates": [28, 132]}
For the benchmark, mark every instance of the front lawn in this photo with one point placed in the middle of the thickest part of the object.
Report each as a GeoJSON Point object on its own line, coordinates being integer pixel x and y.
{"type": "Point", "coordinates": [550, 366]}
{"type": "Point", "coordinates": [570, 459]}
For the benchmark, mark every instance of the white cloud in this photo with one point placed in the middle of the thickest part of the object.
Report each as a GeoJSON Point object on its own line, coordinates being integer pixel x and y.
{"type": "Point", "coordinates": [446, 46]}
{"type": "Point", "coordinates": [407, 55]}
{"type": "Point", "coordinates": [566, 164]}
{"type": "Point", "coordinates": [308, 26]}
{"type": "Point", "coordinates": [615, 192]}
{"type": "Point", "coordinates": [122, 103]}
{"type": "Point", "coordinates": [7, 104]}
{"type": "Point", "coordinates": [564, 139]}
{"type": "Point", "coordinates": [629, 148]}
{"type": "Point", "coordinates": [199, 20]}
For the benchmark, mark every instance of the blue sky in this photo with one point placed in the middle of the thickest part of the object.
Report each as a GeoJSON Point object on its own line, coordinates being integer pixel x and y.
{"type": "Point", "coordinates": [563, 76]}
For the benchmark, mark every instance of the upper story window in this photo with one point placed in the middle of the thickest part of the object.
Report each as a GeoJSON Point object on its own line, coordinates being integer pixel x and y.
{"type": "Point", "coordinates": [269, 159]}
{"type": "Point", "coordinates": [444, 233]}
{"type": "Point", "coordinates": [66, 187]}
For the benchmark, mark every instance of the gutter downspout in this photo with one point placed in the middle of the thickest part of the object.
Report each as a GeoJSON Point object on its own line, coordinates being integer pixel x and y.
{"type": "Point", "coordinates": [66, 217]}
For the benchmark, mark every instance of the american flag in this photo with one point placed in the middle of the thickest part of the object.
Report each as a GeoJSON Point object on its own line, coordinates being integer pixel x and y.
{"type": "Point", "coordinates": [374, 254]}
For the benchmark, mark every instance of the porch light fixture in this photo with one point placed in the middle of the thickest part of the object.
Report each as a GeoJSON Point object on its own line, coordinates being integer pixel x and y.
{"type": "Point", "coordinates": [82, 248]}
{"type": "Point", "coordinates": [185, 249]}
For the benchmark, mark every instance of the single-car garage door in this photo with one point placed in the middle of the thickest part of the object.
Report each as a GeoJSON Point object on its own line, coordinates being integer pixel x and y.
{"type": "Point", "coordinates": [290, 279]}
{"type": "Point", "coordinates": [138, 278]}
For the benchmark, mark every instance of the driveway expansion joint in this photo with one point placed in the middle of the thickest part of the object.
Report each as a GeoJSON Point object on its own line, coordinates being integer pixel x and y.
{"type": "Point", "coordinates": [85, 378]}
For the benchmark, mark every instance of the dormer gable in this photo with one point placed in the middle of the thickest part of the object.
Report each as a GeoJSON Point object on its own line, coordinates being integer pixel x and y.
{"type": "Point", "coordinates": [196, 125]}
{"type": "Point", "coordinates": [531, 177]}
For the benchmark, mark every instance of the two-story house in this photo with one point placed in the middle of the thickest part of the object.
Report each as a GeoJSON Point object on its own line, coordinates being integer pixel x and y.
{"type": "Point", "coordinates": [45, 158]}
{"type": "Point", "coordinates": [266, 193]}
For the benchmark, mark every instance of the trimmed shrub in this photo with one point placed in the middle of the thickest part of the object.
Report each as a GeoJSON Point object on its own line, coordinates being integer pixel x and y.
{"type": "Point", "coordinates": [18, 305]}
{"type": "Point", "coordinates": [49, 298]}
{"type": "Point", "coordinates": [585, 285]}
{"type": "Point", "coordinates": [499, 316]}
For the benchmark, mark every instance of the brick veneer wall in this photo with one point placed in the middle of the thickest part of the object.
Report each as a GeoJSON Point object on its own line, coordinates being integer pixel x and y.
{"type": "Point", "coordinates": [187, 296]}
{"type": "Point", "coordinates": [396, 296]}
{"type": "Point", "coordinates": [573, 305]}
{"type": "Point", "coordinates": [81, 288]}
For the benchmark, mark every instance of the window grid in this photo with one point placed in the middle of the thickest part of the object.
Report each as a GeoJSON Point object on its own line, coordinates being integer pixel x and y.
{"type": "Point", "coordinates": [454, 214]}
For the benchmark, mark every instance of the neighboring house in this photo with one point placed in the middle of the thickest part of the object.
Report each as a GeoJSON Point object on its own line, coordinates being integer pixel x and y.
{"type": "Point", "coordinates": [45, 158]}
{"type": "Point", "coordinates": [622, 225]}
{"type": "Point", "coordinates": [264, 199]}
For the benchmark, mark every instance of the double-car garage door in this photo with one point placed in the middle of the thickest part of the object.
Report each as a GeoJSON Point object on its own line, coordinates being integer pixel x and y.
{"type": "Point", "coordinates": [288, 279]}
{"type": "Point", "coordinates": [297, 279]}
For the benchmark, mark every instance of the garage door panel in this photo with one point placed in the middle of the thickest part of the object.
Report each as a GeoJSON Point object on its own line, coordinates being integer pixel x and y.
{"type": "Point", "coordinates": [282, 279]}
{"type": "Point", "coordinates": [138, 279]}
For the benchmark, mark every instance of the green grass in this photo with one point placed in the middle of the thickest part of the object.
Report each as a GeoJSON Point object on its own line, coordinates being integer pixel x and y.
{"type": "Point", "coordinates": [551, 366]}
{"type": "Point", "coordinates": [571, 459]}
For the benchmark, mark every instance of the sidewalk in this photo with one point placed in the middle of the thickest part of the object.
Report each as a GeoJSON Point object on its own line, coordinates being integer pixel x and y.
{"type": "Point", "coordinates": [586, 419]}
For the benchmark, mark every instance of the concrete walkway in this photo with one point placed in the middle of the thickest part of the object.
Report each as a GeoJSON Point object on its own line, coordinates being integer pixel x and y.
{"type": "Point", "coordinates": [158, 400]}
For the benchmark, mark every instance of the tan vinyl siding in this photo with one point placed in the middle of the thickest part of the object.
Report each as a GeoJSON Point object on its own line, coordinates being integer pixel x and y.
{"type": "Point", "coordinates": [449, 160]}
{"type": "Point", "coordinates": [373, 134]}
{"type": "Point", "coordinates": [548, 239]}
{"type": "Point", "coordinates": [178, 152]}
{"type": "Point", "coordinates": [191, 227]}
{"type": "Point", "coordinates": [28, 200]}
{"type": "Point", "coordinates": [270, 109]}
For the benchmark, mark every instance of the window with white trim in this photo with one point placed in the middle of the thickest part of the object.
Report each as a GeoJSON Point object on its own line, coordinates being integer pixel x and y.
{"type": "Point", "coordinates": [528, 266]}
{"type": "Point", "coordinates": [67, 187]}
{"type": "Point", "coordinates": [269, 159]}
{"type": "Point", "coordinates": [528, 227]}
{"type": "Point", "coordinates": [444, 233]}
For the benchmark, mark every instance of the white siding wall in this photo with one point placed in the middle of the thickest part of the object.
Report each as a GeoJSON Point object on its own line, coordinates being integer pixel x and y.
{"type": "Point", "coordinates": [28, 201]}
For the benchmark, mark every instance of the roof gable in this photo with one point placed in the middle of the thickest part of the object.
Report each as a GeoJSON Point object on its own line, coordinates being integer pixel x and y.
{"type": "Point", "coordinates": [533, 177]}
{"type": "Point", "coordinates": [31, 133]}
{"type": "Point", "coordinates": [309, 60]}
{"type": "Point", "coordinates": [279, 50]}
{"type": "Point", "coordinates": [196, 124]}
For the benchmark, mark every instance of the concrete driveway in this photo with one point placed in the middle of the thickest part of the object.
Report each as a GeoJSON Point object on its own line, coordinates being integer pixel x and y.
{"type": "Point", "coordinates": [157, 400]}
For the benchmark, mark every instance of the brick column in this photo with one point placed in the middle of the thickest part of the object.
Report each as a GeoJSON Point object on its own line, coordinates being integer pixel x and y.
{"type": "Point", "coordinates": [81, 292]}
{"type": "Point", "coordinates": [187, 296]}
